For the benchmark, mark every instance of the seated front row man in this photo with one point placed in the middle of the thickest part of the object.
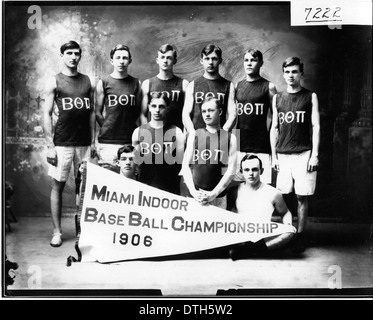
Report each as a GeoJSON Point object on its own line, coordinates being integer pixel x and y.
{"type": "Point", "coordinates": [257, 200]}
{"type": "Point", "coordinates": [127, 161]}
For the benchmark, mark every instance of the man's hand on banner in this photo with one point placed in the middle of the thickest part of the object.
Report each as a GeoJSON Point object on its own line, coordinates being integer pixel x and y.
{"type": "Point", "coordinates": [207, 196]}
{"type": "Point", "coordinates": [197, 195]}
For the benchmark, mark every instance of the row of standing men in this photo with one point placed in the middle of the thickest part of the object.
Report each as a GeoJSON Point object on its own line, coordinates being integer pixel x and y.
{"type": "Point", "coordinates": [282, 129]}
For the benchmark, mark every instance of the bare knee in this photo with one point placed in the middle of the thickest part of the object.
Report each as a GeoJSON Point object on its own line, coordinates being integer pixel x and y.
{"type": "Point", "coordinates": [302, 199]}
{"type": "Point", "coordinates": [57, 186]}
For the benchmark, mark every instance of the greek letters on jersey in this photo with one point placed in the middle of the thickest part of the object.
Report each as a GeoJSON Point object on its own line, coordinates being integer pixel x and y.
{"type": "Point", "coordinates": [210, 158]}
{"type": "Point", "coordinates": [294, 118]}
{"type": "Point", "coordinates": [72, 97]}
{"type": "Point", "coordinates": [203, 88]}
{"type": "Point", "coordinates": [121, 110]}
{"type": "Point", "coordinates": [252, 109]}
{"type": "Point", "coordinates": [159, 167]}
{"type": "Point", "coordinates": [173, 88]}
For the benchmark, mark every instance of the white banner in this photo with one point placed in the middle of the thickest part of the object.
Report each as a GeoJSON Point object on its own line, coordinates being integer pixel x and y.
{"type": "Point", "coordinates": [123, 219]}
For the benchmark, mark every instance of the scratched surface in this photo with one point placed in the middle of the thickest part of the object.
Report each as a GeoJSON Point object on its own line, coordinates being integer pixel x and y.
{"type": "Point", "coordinates": [32, 55]}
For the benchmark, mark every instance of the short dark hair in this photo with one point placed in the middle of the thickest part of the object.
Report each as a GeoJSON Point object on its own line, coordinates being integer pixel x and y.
{"type": "Point", "coordinates": [168, 47]}
{"type": "Point", "coordinates": [70, 45]}
{"type": "Point", "coordinates": [293, 61]}
{"type": "Point", "coordinates": [256, 54]}
{"type": "Point", "coordinates": [120, 47]}
{"type": "Point", "coordinates": [159, 95]}
{"type": "Point", "coordinates": [211, 98]}
{"type": "Point", "coordinates": [127, 148]}
{"type": "Point", "coordinates": [250, 156]}
{"type": "Point", "coordinates": [211, 48]}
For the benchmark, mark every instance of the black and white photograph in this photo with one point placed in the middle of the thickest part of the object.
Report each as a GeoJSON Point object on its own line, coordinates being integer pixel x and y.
{"type": "Point", "coordinates": [187, 150]}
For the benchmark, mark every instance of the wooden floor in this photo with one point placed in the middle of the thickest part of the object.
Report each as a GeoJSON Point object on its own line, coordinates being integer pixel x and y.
{"type": "Point", "coordinates": [339, 256]}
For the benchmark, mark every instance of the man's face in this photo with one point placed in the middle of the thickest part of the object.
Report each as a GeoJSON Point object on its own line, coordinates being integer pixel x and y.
{"type": "Point", "coordinates": [211, 63]}
{"type": "Point", "coordinates": [251, 171]}
{"type": "Point", "coordinates": [252, 65]}
{"type": "Point", "coordinates": [210, 113]}
{"type": "Point", "coordinates": [71, 57]}
{"type": "Point", "coordinates": [120, 60]}
{"type": "Point", "coordinates": [292, 75]}
{"type": "Point", "coordinates": [165, 60]}
{"type": "Point", "coordinates": [127, 164]}
{"type": "Point", "coordinates": [157, 109]}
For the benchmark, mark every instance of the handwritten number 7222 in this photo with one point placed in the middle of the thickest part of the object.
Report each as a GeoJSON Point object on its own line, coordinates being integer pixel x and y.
{"type": "Point", "coordinates": [319, 13]}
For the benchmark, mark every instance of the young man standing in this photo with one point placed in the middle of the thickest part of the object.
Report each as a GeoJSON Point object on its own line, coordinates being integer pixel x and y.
{"type": "Point", "coordinates": [168, 83]}
{"type": "Point", "coordinates": [73, 138]}
{"type": "Point", "coordinates": [159, 148]}
{"type": "Point", "coordinates": [295, 139]}
{"type": "Point", "coordinates": [119, 95]}
{"type": "Point", "coordinates": [254, 96]}
{"type": "Point", "coordinates": [211, 84]}
{"type": "Point", "coordinates": [127, 161]}
{"type": "Point", "coordinates": [258, 201]}
{"type": "Point", "coordinates": [210, 158]}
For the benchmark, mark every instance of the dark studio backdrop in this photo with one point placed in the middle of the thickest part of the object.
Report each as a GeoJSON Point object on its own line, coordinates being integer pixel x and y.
{"type": "Point", "coordinates": [338, 67]}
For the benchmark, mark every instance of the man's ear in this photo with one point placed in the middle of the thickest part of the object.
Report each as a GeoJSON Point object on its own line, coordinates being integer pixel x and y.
{"type": "Point", "coordinates": [220, 111]}
{"type": "Point", "coordinates": [261, 171]}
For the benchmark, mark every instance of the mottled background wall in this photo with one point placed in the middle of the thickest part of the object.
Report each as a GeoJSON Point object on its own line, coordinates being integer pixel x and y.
{"type": "Point", "coordinates": [32, 55]}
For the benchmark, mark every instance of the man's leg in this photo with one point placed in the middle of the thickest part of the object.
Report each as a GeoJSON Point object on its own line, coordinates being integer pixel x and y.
{"type": "Point", "coordinates": [299, 243]}
{"type": "Point", "coordinates": [302, 212]}
{"type": "Point", "coordinates": [56, 211]}
{"type": "Point", "coordinates": [279, 241]}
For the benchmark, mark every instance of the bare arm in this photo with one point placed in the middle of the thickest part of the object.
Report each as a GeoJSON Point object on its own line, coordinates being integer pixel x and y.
{"type": "Point", "coordinates": [180, 143]}
{"type": "Point", "coordinates": [188, 108]}
{"type": "Point", "coordinates": [282, 209]}
{"type": "Point", "coordinates": [92, 124]}
{"type": "Point", "coordinates": [99, 103]}
{"type": "Point", "coordinates": [144, 102]}
{"type": "Point", "coordinates": [50, 91]}
{"type": "Point", "coordinates": [139, 104]}
{"type": "Point", "coordinates": [185, 85]}
{"type": "Point", "coordinates": [135, 138]}
{"type": "Point", "coordinates": [274, 134]}
{"type": "Point", "coordinates": [272, 92]}
{"type": "Point", "coordinates": [231, 110]}
{"type": "Point", "coordinates": [315, 118]}
{"type": "Point", "coordinates": [136, 144]}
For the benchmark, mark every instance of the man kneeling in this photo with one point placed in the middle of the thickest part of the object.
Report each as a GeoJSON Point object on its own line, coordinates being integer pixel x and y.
{"type": "Point", "coordinates": [258, 200]}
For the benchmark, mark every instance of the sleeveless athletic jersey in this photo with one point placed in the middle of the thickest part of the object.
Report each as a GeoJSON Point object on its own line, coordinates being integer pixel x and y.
{"type": "Point", "coordinates": [121, 110]}
{"type": "Point", "coordinates": [252, 109]}
{"type": "Point", "coordinates": [218, 88]}
{"type": "Point", "coordinates": [74, 105]}
{"type": "Point", "coordinates": [210, 158]}
{"type": "Point", "coordinates": [294, 117]}
{"type": "Point", "coordinates": [158, 153]}
{"type": "Point", "coordinates": [174, 89]}
{"type": "Point", "coordinates": [258, 206]}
